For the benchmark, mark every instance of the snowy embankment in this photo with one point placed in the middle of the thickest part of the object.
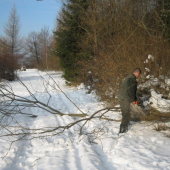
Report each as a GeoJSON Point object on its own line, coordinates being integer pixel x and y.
{"type": "Point", "coordinates": [140, 148]}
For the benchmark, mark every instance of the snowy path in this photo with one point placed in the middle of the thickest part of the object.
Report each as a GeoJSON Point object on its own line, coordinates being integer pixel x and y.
{"type": "Point", "coordinates": [141, 148]}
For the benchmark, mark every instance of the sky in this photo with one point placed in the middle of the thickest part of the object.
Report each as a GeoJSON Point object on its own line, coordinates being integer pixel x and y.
{"type": "Point", "coordinates": [33, 14]}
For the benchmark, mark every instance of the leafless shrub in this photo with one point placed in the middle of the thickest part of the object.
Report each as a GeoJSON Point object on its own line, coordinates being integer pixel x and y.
{"type": "Point", "coordinates": [119, 37]}
{"type": "Point", "coordinates": [8, 66]}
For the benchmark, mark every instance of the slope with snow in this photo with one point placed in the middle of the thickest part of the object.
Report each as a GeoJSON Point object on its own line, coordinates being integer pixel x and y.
{"type": "Point", "coordinates": [140, 148]}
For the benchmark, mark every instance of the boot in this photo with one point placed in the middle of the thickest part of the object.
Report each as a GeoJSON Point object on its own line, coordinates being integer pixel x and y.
{"type": "Point", "coordinates": [123, 129]}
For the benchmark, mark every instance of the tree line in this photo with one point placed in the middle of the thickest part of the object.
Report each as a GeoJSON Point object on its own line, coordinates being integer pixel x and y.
{"type": "Point", "coordinates": [97, 42]}
{"type": "Point", "coordinates": [34, 51]}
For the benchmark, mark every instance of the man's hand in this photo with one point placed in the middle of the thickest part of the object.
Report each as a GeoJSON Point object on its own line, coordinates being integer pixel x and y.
{"type": "Point", "coordinates": [136, 102]}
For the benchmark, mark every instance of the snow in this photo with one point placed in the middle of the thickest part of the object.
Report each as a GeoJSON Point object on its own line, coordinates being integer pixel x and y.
{"type": "Point", "coordinates": [167, 81]}
{"type": "Point", "coordinates": [146, 61]}
{"type": "Point", "coordinates": [147, 69]}
{"type": "Point", "coordinates": [148, 76]}
{"type": "Point", "coordinates": [150, 57]}
{"type": "Point", "coordinates": [158, 102]}
{"type": "Point", "coordinates": [141, 148]}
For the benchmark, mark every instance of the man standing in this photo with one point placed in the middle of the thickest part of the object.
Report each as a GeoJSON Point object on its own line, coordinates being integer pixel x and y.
{"type": "Point", "coordinates": [126, 96]}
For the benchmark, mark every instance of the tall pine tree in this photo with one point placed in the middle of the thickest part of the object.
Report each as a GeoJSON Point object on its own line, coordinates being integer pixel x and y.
{"type": "Point", "coordinates": [68, 36]}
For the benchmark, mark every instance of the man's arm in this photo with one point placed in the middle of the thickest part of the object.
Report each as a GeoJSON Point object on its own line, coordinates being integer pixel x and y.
{"type": "Point", "coordinates": [131, 91]}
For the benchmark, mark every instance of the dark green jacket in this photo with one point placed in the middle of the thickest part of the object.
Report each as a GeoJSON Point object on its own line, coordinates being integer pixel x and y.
{"type": "Point", "coordinates": [128, 89]}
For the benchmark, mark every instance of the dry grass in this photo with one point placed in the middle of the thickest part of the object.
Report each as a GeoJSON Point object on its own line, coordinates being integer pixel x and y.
{"type": "Point", "coordinates": [73, 84]}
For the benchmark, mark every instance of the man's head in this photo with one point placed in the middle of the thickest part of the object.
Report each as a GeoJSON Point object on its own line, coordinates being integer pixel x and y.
{"type": "Point", "coordinates": [137, 72]}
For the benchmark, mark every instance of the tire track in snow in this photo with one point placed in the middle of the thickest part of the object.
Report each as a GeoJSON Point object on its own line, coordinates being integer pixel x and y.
{"type": "Point", "coordinates": [76, 156]}
{"type": "Point", "coordinates": [61, 153]}
{"type": "Point", "coordinates": [69, 157]}
{"type": "Point", "coordinates": [18, 150]}
{"type": "Point", "coordinates": [101, 157]}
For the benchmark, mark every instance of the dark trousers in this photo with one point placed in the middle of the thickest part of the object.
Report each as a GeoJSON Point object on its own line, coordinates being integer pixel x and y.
{"type": "Point", "coordinates": [125, 108]}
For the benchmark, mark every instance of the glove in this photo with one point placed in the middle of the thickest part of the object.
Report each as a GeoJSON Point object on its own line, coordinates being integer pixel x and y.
{"type": "Point", "coordinates": [136, 102]}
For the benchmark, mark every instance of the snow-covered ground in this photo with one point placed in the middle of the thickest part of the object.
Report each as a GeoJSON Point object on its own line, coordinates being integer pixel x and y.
{"type": "Point", "coordinates": [141, 148]}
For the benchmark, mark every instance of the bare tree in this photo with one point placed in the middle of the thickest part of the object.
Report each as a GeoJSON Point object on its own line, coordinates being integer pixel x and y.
{"type": "Point", "coordinates": [12, 104]}
{"type": "Point", "coordinates": [44, 37]}
{"type": "Point", "coordinates": [119, 36]}
{"type": "Point", "coordinates": [12, 42]}
{"type": "Point", "coordinates": [8, 63]}
{"type": "Point", "coordinates": [32, 47]}
{"type": "Point", "coordinates": [11, 30]}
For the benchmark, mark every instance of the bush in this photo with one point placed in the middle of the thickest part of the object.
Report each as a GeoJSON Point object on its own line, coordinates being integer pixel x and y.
{"type": "Point", "coordinates": [8, 65]}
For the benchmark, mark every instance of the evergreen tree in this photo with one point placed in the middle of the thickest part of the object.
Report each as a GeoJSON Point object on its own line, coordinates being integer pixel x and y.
{"type": "Point", "coordinates": [68, 36]}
